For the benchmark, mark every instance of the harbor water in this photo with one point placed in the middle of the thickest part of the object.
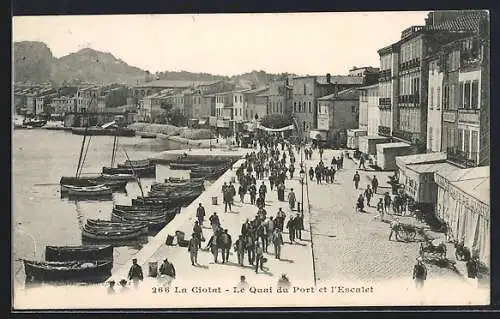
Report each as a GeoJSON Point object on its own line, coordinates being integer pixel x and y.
{"type": "Point", "coordinates": [40, 216]}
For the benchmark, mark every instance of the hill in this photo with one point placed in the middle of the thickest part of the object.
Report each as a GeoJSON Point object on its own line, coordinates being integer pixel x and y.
{"type": "Point", "coordinates": [33, 61]}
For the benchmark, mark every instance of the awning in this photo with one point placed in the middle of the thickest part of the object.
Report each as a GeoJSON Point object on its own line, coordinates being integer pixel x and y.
{"type": "Point", "coordinates": [202, 122]}
{"type": "Point", "coordinates": [286, 128]}
{"type": "Point", "coordinates": [317, 135]}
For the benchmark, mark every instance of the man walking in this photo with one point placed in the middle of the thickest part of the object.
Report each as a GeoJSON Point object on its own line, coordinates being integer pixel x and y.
{"type": "Point", "coordinates": [299, 225]}
{"type": "Point", "coordinates": [242, 191]}
{"type": "Point", "coordinates": [253, 193]}
{"type": "Point", "coordinates": [197, 232]}
{"type": "Point", "coordinates": [263, 191]}
{"type": "Point", "coordinates": [356, 179]}
{"type": "Point", "coordinates": [387, 202]}
{"type": "Point", "coordinates": [394, 228]}
{"type": "Point", "coordinates": [225, 244]}
{"type": "Point", "coordinates": [135, 273]}
{"type": "Point", "coordinates": [259, 256]}
{"type": "Point", "coordinates": [374, 184]}
{"type": "Point", "coordinates": [239, 248]}
{"type": "Point", "coordinates": [194, 245]}
{"type": "Point", "coordinates": [214, 222]}
{"type": "Point", "coordinates": [419, 273]}
{"type": "Point", "coordinates": [368, 195]}
{"type": "Point", "coordinates": [291, 229]}
{"type": "Point", "coordinates": [200, 214]}
{"type": "Point", "coordinates": [277, 242]}
{"type": "Point", "coordinates": [362, 162]}
{"type": "Point", "coordinates": [228, 198]}
{"type": "Point", "coordinates": [167, 269]}
{"type": "Point", "coordinates": [291, 199]}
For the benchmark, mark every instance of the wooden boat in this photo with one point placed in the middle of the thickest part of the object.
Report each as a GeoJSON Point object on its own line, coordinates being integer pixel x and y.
{"type": "Point", "coordinates": [91, 181]}
{"type": "Point", "coordinates": [67, 270]}
{"type": "Point", "coordinates": [72, 253]}
{"type": "Point", "coordinates": [169, 201]}
{"type": "Point", "coordinates": [98, 222]}
{"type": "Point", "coordinates": [97, 190]}
{"type": "Point", "coordinates": [136, 163]}
{"type": "Point", "coordinates": [118, 177]}
{"type": "Point", "coordinates": [153, 225]}
{"type": "Point", "coordinates": [145, 171]}
{"type": "Point", "coordinates": [158, 213]}
{"type": "Point", "coordinates": [34, 123]}
{"type": "Point", "coordinates": [110, 235]}
{"type": "Point", "coordinates": [138, 208]}
{"type": "Point", "coordinates": [99, 131]}
{"type": "Point", "coordinates": [125, 227]}
{"type": "Point", "coordinates": [184, 166]}
{"type": "Point", "coordinates": [147, 135]}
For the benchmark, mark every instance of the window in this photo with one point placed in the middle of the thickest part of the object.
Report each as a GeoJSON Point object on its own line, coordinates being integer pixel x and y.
{"type": "Point", "coordinates": [300, 107]}
{"type": "Point", "coordinates": [431, 98]}
{"type": "Point", "coordinates": [304, 89]}
{"type": "Point", "coordinates": [438, 98]}
{"type": "Point", "coordinates": [461, 95]}
{"type": "Point", "coordinates": [474, 144]}
{"type": "Point", "coordinates": [353, 108]}
{"type": "Point", "coordinates": [475, 94]}
{"type": "Point", "coordinates": [241, 98]}
{"type": "Point", "coordinates": [310, 109]}
{"type": "Point", "coordinates": [460, 139]}
{"type": "Point", "coordinates": [295, 106]}
{"type": "Point", "coordinates": [235, 99]}
{"type": "Point", "coordinates": [429, 143]}
{"type": "Point", "coordinates": [467, 90]}
{"type": "Point", "coordinates": [446, 97]}
{"type": "Point", "coordinates": [467, 142]}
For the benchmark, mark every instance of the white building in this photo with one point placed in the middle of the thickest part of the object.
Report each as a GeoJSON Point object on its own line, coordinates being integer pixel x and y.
{"type": "Point", "coordinates": [373, 110]}
{"type": "Point", "coordinates": [434, 112]}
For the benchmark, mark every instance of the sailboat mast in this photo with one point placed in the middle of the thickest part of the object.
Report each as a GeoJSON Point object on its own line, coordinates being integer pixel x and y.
{"type": "Point", "coordinates": [136, 177]}
{"type": "Point", "coordinates": [113, 153]}
{"type": "Point", "coordinates": [80, 158]}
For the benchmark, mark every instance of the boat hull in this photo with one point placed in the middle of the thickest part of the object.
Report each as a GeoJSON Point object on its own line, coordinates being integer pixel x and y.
{"type": "Point", "coordinates": [147, 171]}
{"type": "Point", "coordinates": [95, 235]}
{"type": "Point", "coordinates": [68, 270]}
{"type": "Point", "coordinates": [91, 191]}
{"type": "Point", "coordinates": [71, 253]}
{"type": "Point", "coordinates": [96, 131]}
{"type": "Point", "coordinates": [183, 166]}
{"type": "Point", "coordinates": [91, 181]}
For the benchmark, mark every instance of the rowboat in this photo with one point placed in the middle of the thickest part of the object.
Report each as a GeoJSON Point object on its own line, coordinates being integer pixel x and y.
{"type": "Point", "coordinates": [147, 135]}
{"type": "Point", "coordinates": [97, 190]}
{"type": "Point", "coordinates": [118, 177]}
{"type": "Point", "coordinates": [138, 208]}
{"type": "Point", "coordinates": [90, 181]}
{"type": "Point", "coordinates": [67, 270]}
{"type": "Point", "coordinates": [145, 171]}
{"type": "Point", "coordinates": [110, 235]}
{"type": "Point", "coordinates": [72, 253]}
{"type": "Point", "coordinates": [185, 166]}
{"type": "Point", "coordinates": [117, 228]}
{"type": "Point", "coordinates": [98, 222]}
{"type": "Point", "coordinates": [136, 163]}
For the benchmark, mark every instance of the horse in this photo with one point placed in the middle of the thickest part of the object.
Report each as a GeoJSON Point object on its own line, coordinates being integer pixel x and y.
{"type": "Point", "coordinates": [430, 248]}
{"type": "Point", "coordinates": [461, 252]}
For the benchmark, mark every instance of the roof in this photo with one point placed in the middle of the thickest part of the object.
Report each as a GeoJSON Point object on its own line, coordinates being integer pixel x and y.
{"type": "Point", "coordinates": [393, 145]}
{"type": "Point", "coordinates": [478, 188]}
{"type": "Point", "coordinates": [466, 173]}
{"type": "Point", "coordinates": [233, 91]}
{"type": "Point", "coordinates": [173, 84]}
{"type": "Point", "coordinates": [259, 90]}
{"type": "Point", "coordinates": [374, 137]}
{"type": "Point", "coordinates": [432, 168]}
{"type": "Point", "coordinates": [161, 94]}
{"type": "Point", "coordinates": [367, 87]}
{"type": "Point", "coordinates": [422, 158]}
{"type": "Point", "coordinates": [341, 79]}
{"type": "Point", "coordinates": [349, 94]}
{"type": "Point", "coordinates": [469, 21]}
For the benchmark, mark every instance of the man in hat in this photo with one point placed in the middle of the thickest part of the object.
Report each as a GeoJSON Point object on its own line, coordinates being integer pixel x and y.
{"type": "Point", "coordinates": [193, 246]}
{"type": "Point", "coordinates": [167, 269]}
{"type": "Point", "coordinates": [135, 273]}
{"type": "Point", "coordinates": [123, 283]}
{"type": "Point", "coordinates": [200, 214]}
{"type": "Point", "coordinates": [111, 287]}
{"type": "Point", "coordinates": [419, 273]}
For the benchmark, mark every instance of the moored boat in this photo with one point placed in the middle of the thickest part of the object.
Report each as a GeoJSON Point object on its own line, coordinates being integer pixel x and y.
{"type": "Point", "coordinates": [145, 171]}
{"type": "Point", "coordinates": [90, 181]}
{"type": "Point", "coordinates": [111, 235]}
{"type": "Point", "coordinates": [147, 135]}
{"type": "Point", "coordinates": [184, 166]}
{"type": "Point", "coordinates": [136, 163]}
{"type": "Point", "coordinates": [72, 253]}
{"type": "Point", "coordinates": [97, 190]}
{"type": "Point", "coordinates": [118, 177]}
{"type": "Point", "coordinates": [117, 228]}
{"type": "Point", "coordinates": [67, 270]}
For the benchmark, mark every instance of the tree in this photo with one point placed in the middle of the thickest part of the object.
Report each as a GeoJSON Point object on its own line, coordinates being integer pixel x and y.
{"type": "Point", "coordinates": [175, 117]}
{"type": "Point", "coordinates": [276, 120]}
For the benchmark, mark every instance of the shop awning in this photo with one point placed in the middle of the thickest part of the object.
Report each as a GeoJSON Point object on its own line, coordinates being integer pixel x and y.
{"type": "Point", "coordinates": [317, 135]}
{"type": "Point", "coordinates": [286, 128]}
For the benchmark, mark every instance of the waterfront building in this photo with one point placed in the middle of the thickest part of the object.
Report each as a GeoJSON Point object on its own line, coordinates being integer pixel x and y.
{"type": "Point", "coordinates": [337, 113]}
{"type": "Point", "coordinates": [153, 105]}
{"type": "Point", "coordinates": [203, 104]}
{"type": "Point", "coordinates": [61, 105]}
{"type": "Point", "coordinates": [254, 103]}
{"type": "Point", "coordinates": [280, 97]}
{"type": "Point", "coordinates": [434, 112]}
{"type": "Point", "coordinates": [410, 82]}
{"type": "Point", "coordinates": [306, 91]}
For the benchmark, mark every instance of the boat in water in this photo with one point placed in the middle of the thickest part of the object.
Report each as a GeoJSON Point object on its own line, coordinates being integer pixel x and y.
{"type": "Point", "coordinates": [72, 253]}
{"type": "Point", "coordinates": [147, 135]}
{"type": "Point", "coordinates": [83, 191]}
{"type": "Point", "coordinates": [116, 185]}
{"type": "Point", "coordinates": [148, 171]}
{"type": "Point", "coordinates": [99, 131]}
{"type": "Point", "coordinates": [94, 234]}
{"type": "Point", "coordinates": [183, 166]}
{"type": "Point", "coordinates": [118, 177]}
{"type": "Point", "coordinates": [86, 270]}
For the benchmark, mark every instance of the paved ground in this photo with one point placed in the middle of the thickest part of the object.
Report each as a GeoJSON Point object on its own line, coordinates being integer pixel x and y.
{"type": "Point", "coordinates": [360, 249]}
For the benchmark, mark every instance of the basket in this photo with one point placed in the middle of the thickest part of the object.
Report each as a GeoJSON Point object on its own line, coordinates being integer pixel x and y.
{"type": "Point", "coordinates": [214, 200]}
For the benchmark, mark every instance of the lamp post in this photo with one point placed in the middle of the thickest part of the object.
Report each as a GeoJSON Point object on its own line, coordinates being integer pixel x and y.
{"type": "Point", "coordinates": [302, 174]}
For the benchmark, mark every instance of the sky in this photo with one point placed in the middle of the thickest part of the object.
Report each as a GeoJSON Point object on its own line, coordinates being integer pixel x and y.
{"type": "Point", "coordinates": [227, 44]}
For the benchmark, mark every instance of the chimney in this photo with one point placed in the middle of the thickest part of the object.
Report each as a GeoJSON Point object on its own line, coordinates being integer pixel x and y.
{"type": "Point", "coordinates": [328, 78]}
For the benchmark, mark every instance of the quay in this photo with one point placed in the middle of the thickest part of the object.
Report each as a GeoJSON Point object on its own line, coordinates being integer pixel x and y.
{"type": "Point", "coordinates": [296, 261]}
{"type": "Point", "coordinates": [216, 154]}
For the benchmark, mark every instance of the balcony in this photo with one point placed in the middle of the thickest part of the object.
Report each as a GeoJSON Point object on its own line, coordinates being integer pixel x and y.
{"type": "Point", "coordinates": [468, 115]}
{"type": "Point", "coordinates": [385, 75]}
{"type": "Point", "coordinates": [450, 116]}
{"type": "Point", "coordinates": [405, 135]}
{"type": "Point", "coordinates": [461, 158]}
{"type": "Point", "coordinates": [410, 64]}
{"type": "Point", "coordinates": [411, 99]}
{"type": "Point", "coordinates": [384, 103]}
{"type": "Point", "coordinates": [384, 131]}
{"type": "Point", "coordinates": [470, 58]}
